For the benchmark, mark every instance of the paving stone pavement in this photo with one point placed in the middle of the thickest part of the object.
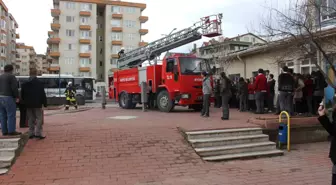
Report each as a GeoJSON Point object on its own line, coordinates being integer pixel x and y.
{"type": "Point", "coordinates": [89, 148]}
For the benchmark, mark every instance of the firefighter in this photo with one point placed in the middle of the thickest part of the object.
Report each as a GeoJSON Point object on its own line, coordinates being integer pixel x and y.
{"type": "Point", "coordinates": [121, 52]}
{"type": "Point", "coordinates": [70, 94]}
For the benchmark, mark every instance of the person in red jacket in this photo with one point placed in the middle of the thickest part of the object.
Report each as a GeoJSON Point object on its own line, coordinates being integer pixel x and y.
{"type": "Point", "coordinates": [260, 86]}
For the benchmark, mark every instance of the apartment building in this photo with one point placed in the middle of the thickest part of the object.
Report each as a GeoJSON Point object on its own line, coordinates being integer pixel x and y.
{"type": "Point", "coordinates": [25, 59]}
{"type": "Point", "coordinates": [42, 64]}
{"type": "Point", "coordinates": [8, 36]}
{"type": "Point", "coordinates": [87, 35]}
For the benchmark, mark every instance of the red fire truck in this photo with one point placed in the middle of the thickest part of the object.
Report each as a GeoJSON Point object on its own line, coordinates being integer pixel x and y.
{"type": "Point", "coordinates": [177, 81]}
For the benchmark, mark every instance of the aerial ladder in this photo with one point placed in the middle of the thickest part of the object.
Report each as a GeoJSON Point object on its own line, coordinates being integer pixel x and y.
{"type": "Point", "coordinates": [210, 26]}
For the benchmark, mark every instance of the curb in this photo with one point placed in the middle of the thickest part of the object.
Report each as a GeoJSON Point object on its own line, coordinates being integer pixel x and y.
{"type": "Point", "coordinates": [67, 112]}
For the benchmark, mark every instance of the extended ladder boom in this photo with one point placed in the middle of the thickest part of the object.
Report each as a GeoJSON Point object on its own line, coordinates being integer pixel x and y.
{"type": "Point", "coordinates": [137, 56]}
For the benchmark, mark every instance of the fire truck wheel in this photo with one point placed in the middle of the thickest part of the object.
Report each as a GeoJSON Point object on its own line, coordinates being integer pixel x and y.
{"type": "Point", "coordinates": [165, 104]}
{"type": "Point", "coordinates": [125, 101]}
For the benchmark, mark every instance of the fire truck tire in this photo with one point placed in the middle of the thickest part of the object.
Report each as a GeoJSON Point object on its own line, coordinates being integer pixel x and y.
{"type": "Point", "coordinates": [164, 103]}
{"type": "Point", "coordinates": [125, 101]}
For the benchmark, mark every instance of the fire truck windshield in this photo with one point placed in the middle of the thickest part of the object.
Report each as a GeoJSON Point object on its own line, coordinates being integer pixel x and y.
{"type": "Point", "coordinates": [192, 66]}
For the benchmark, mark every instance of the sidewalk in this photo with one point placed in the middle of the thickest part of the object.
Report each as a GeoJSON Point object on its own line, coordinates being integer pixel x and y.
{"type": "Point", "coordinates": [93, 148]}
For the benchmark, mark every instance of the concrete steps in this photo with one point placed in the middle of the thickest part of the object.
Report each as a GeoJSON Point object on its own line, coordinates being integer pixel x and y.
{"type": "Point", "coordinates": [228, 144]}
{"type": "Point", "coordinates": [10, 149]}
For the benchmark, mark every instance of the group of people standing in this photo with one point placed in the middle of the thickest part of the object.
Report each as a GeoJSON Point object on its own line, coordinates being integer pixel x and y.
{"type": "Point", "coordinates": [31, 98]}
{"type": "Point", "coordinates": [297, 94]}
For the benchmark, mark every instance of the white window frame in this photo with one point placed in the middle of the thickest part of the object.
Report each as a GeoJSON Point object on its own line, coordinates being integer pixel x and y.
{"type": "Point", "coordinates": [85, 34]}
{"type": "Point", "coordinates": [116, 9]}
{"type": "Point", "coordinates": [85, 62]}
{"type": "Point", "coordinates": [113, 61]}
{"type": "Point", "coordinates": [129, 48]}
{"type": "Point", "coordinates": [115, 49]}
{"type": "Point", "coordinates": [86, 6]}
{"type": "Point", "coordinates": [129, 23]}
{"type": "Point", "coordinates": [71, 46]}
{"type": "Point", "coordinates": [69, 60]}
{"type": "Point", "coordinates": [130, 10]}
{"type": "Point", "coordinates": [114, 21]}
{"type": "Point", "coordinates": [116, 36]}
{"type": "Point", "coordinates": [84, 20]}
{"type": "Point", "coordinates": [131, 36]}
{"type": "Point", "coordinates": [70, 19]}
{"type": "Point", "coordinates": [85, 48]}
{"type": "Point", "coordinates": [70, 33]}
{"type": "Point", "coordinates": [328, 12]}
{"type": "Point", "coordinates": [70, 5]}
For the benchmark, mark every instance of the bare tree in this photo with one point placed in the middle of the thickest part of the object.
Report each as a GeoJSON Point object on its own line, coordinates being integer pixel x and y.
{"type": "Point", "coordinates": [299, 27]}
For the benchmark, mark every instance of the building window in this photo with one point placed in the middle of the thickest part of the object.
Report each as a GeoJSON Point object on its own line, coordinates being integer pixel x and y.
{"type": "Point", "coordinates": [85, 74]}
{"type": "Point", "coordinates": [85, 62]}
{"type": "Point", "coordinates": [3, 50]}
{"type": "Point", "coordinates": [116, 9]}
{"type": "Point", "coordinates": [128, 48]}
{"type": "Point", "coordinates": [115, 23]}
{"type": "Point", "coordinates": [70, 33]}
{"type": "Point", "coordinates": [115, 49]}
{"type": "Point", "coordinates": [71, 46]}
{"type": "Point", "coordinates": [3, 37]}
{"type": "Point", "coordinates": [101, 38]}
{"type": "Point", "coordinates": [70, 18]}
{"type": "Point", "coordinates": [3, 24]}
{"type": "Point", "coordinates": [85, 34]}
{"type": "Point", "coordinates": [70, 5]}
{"type": "Point", "coordinates": [130, 9]}
{"type": "Point", "coordinates": [116, 36]}
{"type": "Point", "coordinates": [84, 20]}
{"type": "Point", "coordinates": [69, 60]}
{"type": "Point", "coordinates": [328, 9]}
{"type": "Point", "coordinates": [86, 7]}
{"type": "Point", "coordinates": [85, 48]}
{"type": "Point", "coordinates": [113, 61]}
{"type": "Point", "coordinates": [131, 36]}
{"type": "Point", "coordinates": [101, 63]}
{"type": "Point", "coordinates": [130, 24]}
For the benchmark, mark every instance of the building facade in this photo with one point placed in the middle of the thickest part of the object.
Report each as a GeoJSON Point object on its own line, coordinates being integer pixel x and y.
{"type": "Point", "coordinates": [41, 64]}
{"type": "Point", "coordinates": [87, 35]}
{"type": "Point", "coordinates": [216, 50]}
{"type": "Point", "coordinates": [25, 59]}
{"type": "Point", "coordinates": [8, 37]}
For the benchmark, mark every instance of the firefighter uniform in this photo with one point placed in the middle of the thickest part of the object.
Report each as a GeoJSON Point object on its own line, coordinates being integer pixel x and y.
{"type": "Point", "coordinates": [70, 94]}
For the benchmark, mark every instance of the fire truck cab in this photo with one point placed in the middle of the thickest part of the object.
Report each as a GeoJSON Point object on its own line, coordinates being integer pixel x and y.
{"type": "Point", "coordinates": [177, 81]}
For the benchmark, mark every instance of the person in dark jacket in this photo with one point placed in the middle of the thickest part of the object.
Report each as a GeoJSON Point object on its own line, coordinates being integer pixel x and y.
{"type": "Point", "coordinates": [9, 94]}
{"type": "Point", "coordinates": [330, 127]}
{"type": "Point", "coordinates": [225, 88]}
{"type": "Point", "coordinates": [260, 86]}
{"type": "Point", "coordinates": [308, 94]}
{"type": "Point", "coordinates": [242, 93]}
{"type": "Point", "coordinates": [33, 96]}
{"type": "Point", "coordinates": [206, 89]}
{"type": "Point", "coordinates": [286, 89]}
{"type": "Point", "coordinates": [319, 83]}
{"type": "Point", "coordinates": [271, 92]}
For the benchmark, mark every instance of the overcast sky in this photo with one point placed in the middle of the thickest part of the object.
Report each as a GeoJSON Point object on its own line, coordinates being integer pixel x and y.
{"type": "Point", "coordinates": [239, 16]}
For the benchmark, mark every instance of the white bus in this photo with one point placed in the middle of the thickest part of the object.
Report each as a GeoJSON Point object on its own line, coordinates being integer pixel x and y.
{"type": "Point", "coordinates": [55, 85]}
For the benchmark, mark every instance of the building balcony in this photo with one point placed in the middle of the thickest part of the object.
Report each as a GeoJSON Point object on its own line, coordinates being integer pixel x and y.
{"type": "Point", "coordinates": [3, 43]}
{"type": "Point", "coordinates": [18, 60]}
{"type": "Point", "coordinates": [53, 40]}
{"type": "Point", "coordinates": [143, 19]}
{"type": "Point", "coordinates": [85, 13]}
{"type": "Point", "coordinates": [55, 26]}
{"type": "Point", "coordinates": [55, 12]}
{"type": "Point", "coordinates": [32, 53]}
{"type": "Point", "coordinates": [114, 56]}
{"type": "Point", "coordinates": [85, 27]}
{"type": "Point", "coordinates": [54, 54]}
{"type": "Point", "coordinates": [84, 69]}
{"type": "Point", "coordinates": [117, 16]}
{"type": "Point", "coordinates": [117, 29]}
{"type": "Point", "coordinates": [54, 68]}
{"type": "Point", "coordinates": [85, 55]}
{"type": "Point", "coordinates": [84, 41]}
{"type": "Point", "coordinates": [143, 31]}
{"type": "Point", "coordinates": [50, 33]}
{"type": "Point", "coordinates": [143, 44]}
{"type": "Point", "coordinates": [116, 42]}
{"type": "Point", "coordinates": [17, 36]}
